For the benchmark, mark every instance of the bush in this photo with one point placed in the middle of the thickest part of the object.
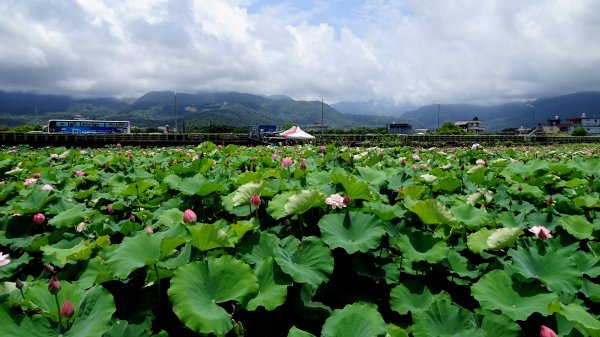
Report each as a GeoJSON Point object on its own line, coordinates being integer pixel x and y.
{"type": "Point", "coordinates": [579, 132]}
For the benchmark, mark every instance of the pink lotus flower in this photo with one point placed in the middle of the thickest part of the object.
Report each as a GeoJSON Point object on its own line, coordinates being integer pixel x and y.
{"type": "Point", "coordinates": [67, 309]}
{"type": "Point", "coordinates": [274, 156]}
{"type": "Point", "coordinates": [335, 201]}
{"type": "Point", "coordinates": [255, 200]}
{"type": "Point", "coordinates": [110, 209]}
{"type": "Point", "coordinates": [416, 157]}
{"type": "Point", "coordinates": [119, 145]}
{"type": "Point", "coordinates": [53, 285]}
{"type": "Point", "coordinates": [149, 230]}
{"type": "Point", "coordinates": [189, 216]}
{"type": "Point", "coordinates": [79, 173]}
{"type": "Point", "coordinates": [541, 232]}
{"type": "Point", "coordinates": [47, 187]}
{"type": "Point", "coordinates": [54, 156]}
{"type": "Point", "coordinates": [322, 148]}
{"type": "Point", "coordinates": [423, 166]}
{"type": "Point", "coordinates": [286, 162]}
{"type": "Point", "coordinates": [30, 181]}
{"type": "Point", "coordinates": [2, 182]}
{"type": "Point", "coordinates": [4, 259]}
{"type": "Point", "coordinates": [480, 162]}
{"type": "Point", "coordinates": [39, 218]}
{"type": "Point", "coordinates": [547, 332]}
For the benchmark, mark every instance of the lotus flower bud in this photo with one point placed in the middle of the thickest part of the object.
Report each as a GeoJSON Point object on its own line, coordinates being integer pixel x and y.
{"type": "Point", "coordinates": [303, 164]}
{"type": "Point", "coordinates": [547, 332]}
{"type": "Point", "coordinates": [255, 200]}
{"type": "Point", "coordinates": [520, 188]}
{"type": "Point", "coordinates": [49, 268]}
{"type": "Point", "coordinates": [110, 209]}
{"type": "Point", "coordinates": [189, 216]}
{"type": "Point", "coordinates": [79, 173]}
{"type": "Point", "coordinates": [39, 218]}
{"type": "Point", "coordinates": [19, 284]}
{"type": "Point", "coordinates": [541, 232]}
{"type": "Point", "coordinates": [47, 187]}
{"type": "Point", "coordinates": [403, 162]}
{"type": "Point", "coordinates": [37, 175]}
{"type": "Point", "coordinates": [346, 199]}
{"type": "Point", "coordinates": [67, 309]}
{"type": "Point", "coordinates": [549, 201]}
{"type": "Point", "coordinates": [149, 230]}
{"type": "Point", "coordinates": [53, 285]}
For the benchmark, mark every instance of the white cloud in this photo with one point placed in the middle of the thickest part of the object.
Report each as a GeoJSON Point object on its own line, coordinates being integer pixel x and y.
{"type": "Point", "coordinates": [413, 51]}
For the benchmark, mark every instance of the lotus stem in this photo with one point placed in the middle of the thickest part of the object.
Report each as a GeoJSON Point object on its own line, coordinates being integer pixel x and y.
{"type": "Point", "coordinates": [158, 283]}
{"type": "Point", "coordinates": [58, 311]}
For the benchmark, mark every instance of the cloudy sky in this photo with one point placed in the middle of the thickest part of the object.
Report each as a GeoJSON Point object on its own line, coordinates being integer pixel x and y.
{"type": "Point", "coordinates": [403, 51]}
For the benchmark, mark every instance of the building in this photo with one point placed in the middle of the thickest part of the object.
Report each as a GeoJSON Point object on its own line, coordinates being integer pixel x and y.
{"type": "Point", "coordinates": [591, 125]}
{"type": "Point", "coordinates": [399, 128]}
{"type": "Point", "coordinates": [473, 126]}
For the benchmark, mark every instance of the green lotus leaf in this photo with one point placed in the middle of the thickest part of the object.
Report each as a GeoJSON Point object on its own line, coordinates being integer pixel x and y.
{"type": "Point", "coordinates": [272, 286]}
{"type": "Point", "coordinates": [215, 235]}
{"type": "Point", "coordinates": [404, 300]}
{"type": "Point", "coordinates": [35, 202]}
{"type": "Point", "coordinates": [355, 320]}
{"type": "Point", "coordinates": [295, 332]}
{"type": "Point", "coordinates": [591, 290]}
{"type": "Point", "coordinates": [503, 237]}
{"type": "Point", "coordinates": [74, 250]}
{"type": "Point", "coordinates": [445, 319]}
{"type": "Point", "coordinates": [139, 187]}
{"type": "Point", "coordinates": [384, 211]}
{"type": "Point", "coordinates": [494, 291]}
{"type": "Point", "coordinates": [93, 310]}
{"type": "Point", "coordinates": [496, 325]}
{"type": "Point", "coordinates": [198, 287]}
{"type": "Point", "coordinates": [536, 167]}
{"type": "Point", "coordinates": [587, 201]}
{"type": "Point", "coordinates": [38, 295]}
{"type": "Point", "coordinates": [433, 212]}
{"type": "Point", "coordinates": [133, 253]}
{"type": "Point", "coordinates": [556, 269]}
{"type": "Point", "coordinates": [196, 185]}
{"type": "Point", "coordinates": [587, 263]}
{"type": "Point", "coordinates": [527, 191]}
{"type": "Point", "coordinates": [304, 304]}
{"type": "Point", "coordinates": [178, 260]}
{"type": "Point", "coordinates": [374, 177]}
{"type": "Point", "coordinates": [351, 231]}
{"type": "Point", "coordinates": [575, 183]}
{"type": "Point", "coordinates": [471, 216]}
{"type": "Point", "coordinates": [421, 246]}
{"type": "Point", "coordinates": [510, 220]}
{"type": "Point", "coordinates": [94, 314]}
{"type": "Point", "coordinates": [577, 225]}
{"type": "Point", "coordinates": [242, 195]}
{"type": "Point", "coordinates": [413, 191]}
{"type": "Point", "coordinates": [395, 331]}
{"type": "Point", "coordinates": [477, 242]}
{"type": "Point", "coordinates": [124, 329]}
{"type": "Point", "coordinates": [289, 203]}
{"type": "Point", "coordinates": [460, 265]}
{"type": "Point", "coordinates": [258, 246]}
{"type": "Point", "coordinates": [70, 217]}
{"type": "Point", "coordinates": [307, 261]}
{"type": "Point", "coordinates": [447, 184]}
{"type": "Point", "coordinates": [171, 217]}
{"type": "Point", "coordinates": [580, 315]}
{"type": "Point", "coordinates": [244, 226]}
{"type": "Point", "coordinates": [8, 271]}
{"type": "Point", "coordinates": [587, 166]}
{"type": "Point", "coordinates": [358, 189]}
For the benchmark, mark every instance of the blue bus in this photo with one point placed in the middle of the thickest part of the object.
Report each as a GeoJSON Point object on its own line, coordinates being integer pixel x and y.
{"type": "Point", "coordinates": [86, 126]}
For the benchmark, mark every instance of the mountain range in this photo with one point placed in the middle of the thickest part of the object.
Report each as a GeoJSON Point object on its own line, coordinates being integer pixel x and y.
{"type": "Point", "coordinates": [158, 108]}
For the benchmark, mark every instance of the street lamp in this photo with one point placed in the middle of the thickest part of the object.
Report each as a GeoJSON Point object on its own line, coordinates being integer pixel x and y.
{"type": "Point", "coordinates": [175, 110]}
{"type": "Point", "coordinates": [532, 112]}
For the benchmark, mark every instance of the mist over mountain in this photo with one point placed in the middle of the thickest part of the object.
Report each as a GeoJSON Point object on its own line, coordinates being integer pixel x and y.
{"type": "Point", "coordinates": [157, 108]}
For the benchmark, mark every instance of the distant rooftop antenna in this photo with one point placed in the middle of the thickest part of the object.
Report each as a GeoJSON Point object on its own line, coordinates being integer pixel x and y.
{"type": "Point", "coordinates": [583, 115]}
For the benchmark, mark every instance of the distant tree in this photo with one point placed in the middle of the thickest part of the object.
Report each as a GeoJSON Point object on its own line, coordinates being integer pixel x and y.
{"type": "Point", "coordinates": [450, 128]}
{"type": "Point", "coordinates": [579, 132]}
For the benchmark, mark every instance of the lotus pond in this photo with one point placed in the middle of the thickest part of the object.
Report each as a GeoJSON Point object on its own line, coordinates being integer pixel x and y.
{"type": "Point", "coordinates": [299, 241]}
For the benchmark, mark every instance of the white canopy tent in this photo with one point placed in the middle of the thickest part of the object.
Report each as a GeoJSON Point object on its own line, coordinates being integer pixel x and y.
{"type": "Point", "coordinates": [296, 133]}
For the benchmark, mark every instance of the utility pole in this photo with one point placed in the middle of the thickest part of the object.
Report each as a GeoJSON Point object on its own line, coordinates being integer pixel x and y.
{"type": "Point", "coordinates": [438, 115]}
{"type": "Point", "coordinates": [532, 113]}
{"type": "Point", "coordinates": [322, 127]}
{"type": "Point", "coordinates": [175, 110]}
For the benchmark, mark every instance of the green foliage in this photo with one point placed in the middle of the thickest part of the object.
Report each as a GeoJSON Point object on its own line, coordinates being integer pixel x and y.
{"type": "Point", "coordinates": [441, 249]}
{"type": "Point", "coordinates": [579, 132]}
{"type": "Point", "coordinates": [449, 128]}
